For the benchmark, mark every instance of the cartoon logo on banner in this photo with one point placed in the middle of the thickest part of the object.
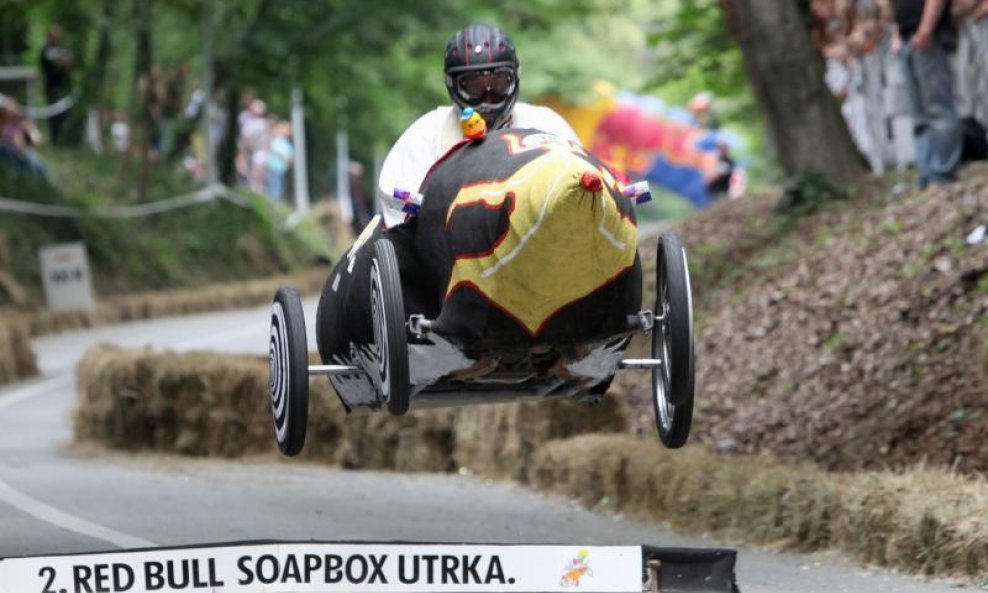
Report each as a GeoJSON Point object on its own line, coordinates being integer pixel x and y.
{"type": "Point", "coordinates": [535, 267]}
{"type": "Point", "coordinates": [576, 569]}
{"type": "Point", "coordinates": [633, 136]}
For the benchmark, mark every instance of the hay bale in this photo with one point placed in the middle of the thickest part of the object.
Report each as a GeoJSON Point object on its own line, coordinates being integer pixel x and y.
{"type": "Point", "coordinates": [192, 403]}
{"type": "Point", "coordinates": [418, 442]}
{"type": "Point", "coordinates": [920, 521]}
{"type": "Point", "coordinates": [499, 440]}
{"type": "Point", "coordinates": [428, 446]}
{"type": "Point", "coordinates": [635, 476]}
{"type": "Point", "coordinates": [207, 404]}
{"type": "Point", "coordinates": [936, 521]}
{"type": "Point", "coordinates": [17, 360]}
{"type": "Point", "coordinates": [596, 469]}
{"type": "Point", "coordinates": [110, 408]}
{"type": "Point", "coordinates": [210, 404]}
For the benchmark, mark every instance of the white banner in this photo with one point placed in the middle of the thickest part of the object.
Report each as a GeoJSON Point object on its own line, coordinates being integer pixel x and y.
{"type": "Point", "coordinates": [333, 568]}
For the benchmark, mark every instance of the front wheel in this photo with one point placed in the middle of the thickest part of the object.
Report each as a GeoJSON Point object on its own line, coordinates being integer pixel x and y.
{"type": "Point", "coordinates": [388, 313]}
{"type": "Point", "coordinates": [672, 343]}
{"type": "Point", "coordinates": [288, 380]}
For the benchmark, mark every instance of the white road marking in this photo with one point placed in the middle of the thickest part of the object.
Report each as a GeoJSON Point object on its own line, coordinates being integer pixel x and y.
{"type": "Point", "coordinates": [25, 393]}
{"type": "Point", "coordinates": [61, 519]}
{"type": "Point", "coordinates": [69, 522]}
{"type": "Point", "coordinates": [42, 511]}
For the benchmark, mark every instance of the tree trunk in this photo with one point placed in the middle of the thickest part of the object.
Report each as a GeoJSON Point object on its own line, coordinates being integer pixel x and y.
{"type": "Point", "coordinates": [226, 157]}
{"type": "Point", "coordinates": [94, 85]}
{"type": "Point", "coordinates": [96, 88]}
{"type": "Point", "coordinates": [14, 32]}
{"type": "Point", "coordinates": [786, 72]}
{"type": "Point", "coordinates": [144, 116]}
{"type": "Point", "coordinates": [77, 23]}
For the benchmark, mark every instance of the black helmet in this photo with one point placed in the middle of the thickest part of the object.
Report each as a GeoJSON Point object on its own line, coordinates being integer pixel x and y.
{"type": "Point", "coordinates": [481, 69]}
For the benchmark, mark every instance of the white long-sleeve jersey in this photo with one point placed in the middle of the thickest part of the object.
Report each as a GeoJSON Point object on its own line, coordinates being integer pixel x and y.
{"type": "Point", "coordinates": [431, 136]}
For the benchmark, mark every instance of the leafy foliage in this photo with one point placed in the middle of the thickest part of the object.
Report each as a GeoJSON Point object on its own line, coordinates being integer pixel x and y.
{"type": "Point", "coordinates": [692, 50]}
{"type": "Point", "coordinates": [807, 194]}
{"type": "Point", "coordinates": [384, 57]}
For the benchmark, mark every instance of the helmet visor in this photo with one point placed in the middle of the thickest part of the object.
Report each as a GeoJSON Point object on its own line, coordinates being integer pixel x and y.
{"type": "Point", "coordinates": [475, 85]}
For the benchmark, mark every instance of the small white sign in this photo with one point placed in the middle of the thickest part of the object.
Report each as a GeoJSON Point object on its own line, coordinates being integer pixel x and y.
{"type": "Point", "coordinates": [65, 273]}
{"type": "Point", "coordinates": [334, 568]}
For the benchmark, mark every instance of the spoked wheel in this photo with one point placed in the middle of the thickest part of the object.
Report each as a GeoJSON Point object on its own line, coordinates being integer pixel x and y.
{"type": "Point", "coordinates": [672, 343]}
{"type": "Point", "coordinates": [289, 371]}
{"type": "Point", "coordinates": [388, 311]}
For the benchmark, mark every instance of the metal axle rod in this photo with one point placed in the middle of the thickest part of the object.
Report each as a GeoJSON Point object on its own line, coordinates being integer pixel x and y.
{"type": "Point", "coordinates": [333, 369]}
{"type": "Point", "coordinates": [640, 363]}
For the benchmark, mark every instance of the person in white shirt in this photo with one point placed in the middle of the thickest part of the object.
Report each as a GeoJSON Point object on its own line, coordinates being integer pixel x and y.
{"type": "Point", "coordinates": [482, 71]}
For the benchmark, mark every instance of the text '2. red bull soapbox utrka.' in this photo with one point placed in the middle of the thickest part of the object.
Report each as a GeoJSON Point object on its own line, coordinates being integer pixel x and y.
{"type": "Point", "coordinates": [515, 275]}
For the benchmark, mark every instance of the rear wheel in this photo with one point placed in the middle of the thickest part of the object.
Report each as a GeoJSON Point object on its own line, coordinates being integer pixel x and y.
{"type": "Point", "coordinates": [672, 343]}
{"type": "Point", "coordinates": [390, 337]}
{"type": "Point", "coordinates": [288, 380]}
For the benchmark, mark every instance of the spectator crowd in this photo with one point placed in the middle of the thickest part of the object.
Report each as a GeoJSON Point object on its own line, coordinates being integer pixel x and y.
{"type": "Point", "coordinates": [173, 126]}
{"type": "Point", "coordinates": [909, 95]}
{"type": "Point", "coordinates": [264, 149]}
{"type": "Point", "coordinates": [18, 139]}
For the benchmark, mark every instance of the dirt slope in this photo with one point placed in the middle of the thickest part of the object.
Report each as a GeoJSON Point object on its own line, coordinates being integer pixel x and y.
{"type": "Point", "coordinates": [856, 338]}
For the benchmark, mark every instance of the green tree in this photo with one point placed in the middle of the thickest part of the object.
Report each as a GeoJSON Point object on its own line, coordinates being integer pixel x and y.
{"type": "Point", "coordinates": [384, 57]}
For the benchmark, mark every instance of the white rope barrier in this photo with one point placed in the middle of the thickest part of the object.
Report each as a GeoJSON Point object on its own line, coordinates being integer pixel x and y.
{"type": "Point", "coordinates": [47, 111]}
{"type": "Point", "coordinates": [205, 195]}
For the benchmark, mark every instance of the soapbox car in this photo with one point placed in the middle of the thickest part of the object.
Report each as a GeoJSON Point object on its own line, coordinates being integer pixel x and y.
{"type": "Point", "coordinates": [515, 275]}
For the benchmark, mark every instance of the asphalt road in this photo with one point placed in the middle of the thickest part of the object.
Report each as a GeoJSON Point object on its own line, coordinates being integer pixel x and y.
{"type": "Point", "coordinates": [54, 499]}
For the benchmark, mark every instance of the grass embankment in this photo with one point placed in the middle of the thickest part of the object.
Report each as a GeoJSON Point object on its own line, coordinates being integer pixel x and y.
{"type": "Point", "coordinates": [204, 257]}
{"type": "Point", "coordinates": [183, 248]}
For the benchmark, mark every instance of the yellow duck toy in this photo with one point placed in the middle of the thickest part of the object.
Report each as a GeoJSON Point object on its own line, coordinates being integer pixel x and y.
{"type": "Point", "coordinates": [473, 124]}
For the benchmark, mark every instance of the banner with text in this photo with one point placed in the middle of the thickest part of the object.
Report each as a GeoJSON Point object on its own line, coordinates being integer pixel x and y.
{"type": "Point", "coordinates": [333, 568]}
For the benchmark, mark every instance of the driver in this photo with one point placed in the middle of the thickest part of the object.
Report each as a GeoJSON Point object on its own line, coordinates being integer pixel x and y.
{"type": "Point", "coordinates": [482, 72]}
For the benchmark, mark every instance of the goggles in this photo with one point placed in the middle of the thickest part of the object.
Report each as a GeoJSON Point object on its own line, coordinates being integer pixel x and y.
{"type": "Point", "coordinates": [474, 85]}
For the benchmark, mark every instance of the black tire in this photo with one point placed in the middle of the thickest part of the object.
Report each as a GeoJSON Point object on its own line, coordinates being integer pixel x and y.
{"type": "Point", "coordinates": [289, 372]}
{"type": "Point", "coordinates": [390, 337]}
{"type": "Point", "coordinates": [672, 342]}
